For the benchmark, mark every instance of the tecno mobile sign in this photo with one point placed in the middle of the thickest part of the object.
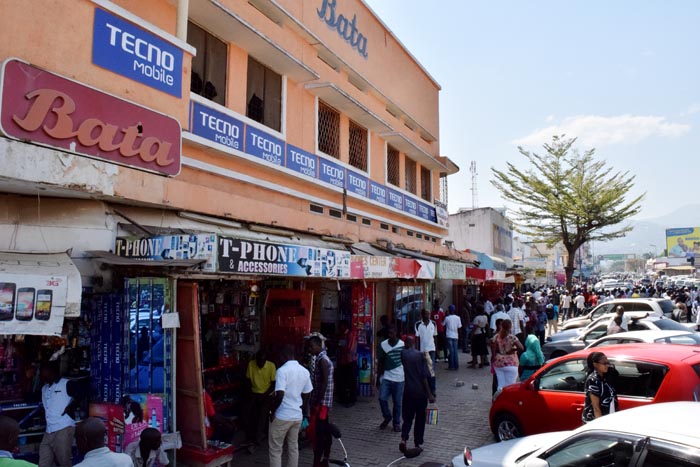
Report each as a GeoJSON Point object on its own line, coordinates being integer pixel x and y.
{"type": "Point", "coordinates": [39, 106]}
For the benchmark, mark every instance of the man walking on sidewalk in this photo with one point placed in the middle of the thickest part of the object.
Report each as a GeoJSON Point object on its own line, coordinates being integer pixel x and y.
{"type": "Point", "coordinates": [391, 378]}
{"type": "Point", "coordinates": [321, 402]}
{"type": "Point", "coordinates": [416, 394]}
{"type": "Point", "coordinates": [426, 331]}
{"type": "Point", "coordinates": [452, 326]}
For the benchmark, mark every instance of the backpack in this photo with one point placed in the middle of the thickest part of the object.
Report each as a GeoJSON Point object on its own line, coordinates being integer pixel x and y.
{"type": "Point", "coordinates": [550, 313]}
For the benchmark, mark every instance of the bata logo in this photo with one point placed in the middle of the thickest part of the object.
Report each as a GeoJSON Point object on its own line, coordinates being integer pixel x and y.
{"type": "Point", "coordinates": [92, 131]}
{"type": "Point", "coordinates": [53, 111]}
{"type": "Point", "coordinates": [346, 29]}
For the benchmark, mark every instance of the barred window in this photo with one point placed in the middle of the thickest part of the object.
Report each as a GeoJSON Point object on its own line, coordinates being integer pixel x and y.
{"type": "Point", "coordinates": [358, 146]}
{"type": "Point", "coordinates": [208, 75]}
{"type": "Point", "coordinates": [410, 175]}
{"type": "Point", "coordinates": [328, 130]}
{"type": "Point", "coordinates": [264, 95]}
{"type": "Point", "coordinates": [425, 183]}
{"type": "Point", "coordinates": [392, 165]}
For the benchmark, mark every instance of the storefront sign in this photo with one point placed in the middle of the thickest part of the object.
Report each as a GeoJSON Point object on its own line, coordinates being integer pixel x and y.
{"type": "Point", "coordinates": [301, 161]}
{"type": "Point", "coordinates": [39, 106]}
{"type": "Point", "coordinates": [395, 199]}
{"type": "Point", "coordinates": [216, 126]}
{"type": "Point", "coordinates": [410, 206]}
{"type": "Point", "coordinates": [264, 146]}
{"type": "Point", "coordinates": [372, 267]}
{"type": "Point", "coordinates": [442, 216]}
{"type": "Point", "coordinates": [254, 257]}
{"type": "Point", "coordinates": [405, 268]}
{"type": "Point", "coordinates": [377, 192]}
{"type": "Point", "coordinates": [130, 51]}
{"type": "Point", "coordinates": [32, 304]}
{"type": "Point", "coordinates": [426, 269]}
{"type": "Point", "coordinates": [168, 247]}
{"type": "Point", "coordinates": [357, 184]}
{"type": "Point", "coordinates": [347, 29]}
{"type": "Point", "coordinates": [332, 173]}
{"type": "Point", "coordinates": [451, 270]}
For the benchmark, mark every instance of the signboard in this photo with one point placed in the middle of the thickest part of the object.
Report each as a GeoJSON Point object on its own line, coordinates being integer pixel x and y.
{"type": "Point", "coordinates": [683, 242]}
{"type": "Point", "coordinates": [451, 270]}
{"type": "Point", "coordinates": [427, 269]}
{"type": "Point", "coordinates": [254, 257]}
{"type": "Point", "coordinates": [356, 183]}
{"type": "Point", "coordinates": [332, 173]}
{"type": "Point", "coordinates": [441, 215]}
{"type": "Point", "coordinates": [377, 192]}
{"type": "Point", "coordinates": [264, 146]}
{"type": "Point", "coordinates": [216, 126]}
{"type": "Point", "coordinates": [167, 247]}
{"type": "Point", "coordinates": [39, 106]}
{"type": "Point", "coordinates": [395, 199]}
{"type": "Point", "coordinates": [32, 304]}
{"type": "Point", "coordinates": [410, 206]}
{"type": "Point", "coordinates": [128, 50]}
{"type": "Point", "coordinates": [372, 267]}
{"type": "Point", "coordinates": [346, 28]}
{"type": "Point", "coordinates": [301, 161]}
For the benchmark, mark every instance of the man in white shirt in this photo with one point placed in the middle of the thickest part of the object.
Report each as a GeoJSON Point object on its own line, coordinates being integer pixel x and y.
{"type": "Point", "coordinates": [565, 306]}
{"type": "Point", "coordinates": [292, 387]}
{"type": "Point", "coordinates": [427, 332]}
{"type": "Point", "coordinates": [452, 326]}
{"type": "Point", "coordinates": [488, 307]}
{"type": "Point", "coordinates": [499, 314]}
{"type": "Point", "coordinates": [90, 438]}
{"type": "Point", "coordinates": [517, 317]}
{"type": "Point", "coordinates": [580, 302]}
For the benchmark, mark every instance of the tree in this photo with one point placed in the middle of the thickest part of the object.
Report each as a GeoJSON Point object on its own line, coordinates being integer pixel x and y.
{"type": "Point", "coordinates": [569, 197]}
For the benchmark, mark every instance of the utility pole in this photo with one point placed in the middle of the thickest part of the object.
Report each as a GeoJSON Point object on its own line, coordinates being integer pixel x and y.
{"type": "Point", "coordinates": [475, 193]}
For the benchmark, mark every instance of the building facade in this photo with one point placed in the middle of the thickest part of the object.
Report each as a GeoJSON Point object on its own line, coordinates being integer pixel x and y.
{"type": "Point", "coordinates": [197, 156]}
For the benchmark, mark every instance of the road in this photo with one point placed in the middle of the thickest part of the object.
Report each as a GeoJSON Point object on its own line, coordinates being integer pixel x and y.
{"type": "Point", "coordinates": [463, 421]}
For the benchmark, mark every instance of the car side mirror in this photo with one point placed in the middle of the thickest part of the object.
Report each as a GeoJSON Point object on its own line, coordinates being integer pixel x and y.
{"type": "Point", "coordinates": [533, 386]}
{"type": "Point", "coordinates": [536, 462]}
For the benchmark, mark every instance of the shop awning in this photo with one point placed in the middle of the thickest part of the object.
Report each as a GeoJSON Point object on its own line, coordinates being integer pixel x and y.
{"type": "Point", "coordinates": [108, 257]}
{"type": "Point", "coordinates": [37, 291]}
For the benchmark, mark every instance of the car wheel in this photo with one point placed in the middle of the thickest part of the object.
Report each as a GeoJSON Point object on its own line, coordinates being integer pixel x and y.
{"type": "Point", "coordinates": [557, 354]}
{"type": "Point", "coordinates": [507, 427]}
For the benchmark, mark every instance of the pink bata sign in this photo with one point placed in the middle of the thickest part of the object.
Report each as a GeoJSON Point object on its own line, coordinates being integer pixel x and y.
{"type": "Point", "coordinates": [45, 108]}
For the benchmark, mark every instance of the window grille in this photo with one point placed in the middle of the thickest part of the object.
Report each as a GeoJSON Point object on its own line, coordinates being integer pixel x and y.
{"type": "Point", "coordinates": [392, 165]}
{"type": "Point", "coordinates": [328, 130]}
{"type": "Point", "coordinates": [410, 175]}
{"type": "Point", "coordinates": [358, 146]}
{"type": "Point", "coordinates": [425, 183]}
{"type": "Point", "coordinates": [208, 75]}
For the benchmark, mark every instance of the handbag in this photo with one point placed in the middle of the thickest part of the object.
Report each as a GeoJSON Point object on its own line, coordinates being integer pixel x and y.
{"type": "Point", "coordinates": [431, 414]}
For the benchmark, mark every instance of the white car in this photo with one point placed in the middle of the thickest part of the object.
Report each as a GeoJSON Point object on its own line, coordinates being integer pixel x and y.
{"type": "Point", "coordinates": [653, 435]}
{"type": "Point", "coordinates": [650, 336]}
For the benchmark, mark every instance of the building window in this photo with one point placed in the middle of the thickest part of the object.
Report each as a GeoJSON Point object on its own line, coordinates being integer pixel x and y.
{"type": "Point", "coordinates": [392, 165]}
{"type": "Point", "coordinates": [410, 175]}
{"type": "Point", "coordinates": [425, 183]}
{"type": "Point", "coordinates": [208, 78]}
{"type": "Point", "coordinates": [264, 95]}
{"type": "Point", "coordinates": [328, 130]}
{"type": "Point", "coordinates": [358, 146]}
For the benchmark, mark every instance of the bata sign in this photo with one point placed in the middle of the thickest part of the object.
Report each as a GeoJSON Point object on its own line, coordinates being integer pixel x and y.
{"type": "Point", "coordinates": [43, 107]}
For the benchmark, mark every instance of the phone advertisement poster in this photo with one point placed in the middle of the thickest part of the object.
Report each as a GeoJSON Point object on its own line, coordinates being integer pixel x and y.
{"type": "Point", "coordinates": [32, 304]}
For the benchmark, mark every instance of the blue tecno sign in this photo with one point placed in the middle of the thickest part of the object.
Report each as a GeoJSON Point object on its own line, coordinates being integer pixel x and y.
{"type": "Point", "coordinates": [125, 49]}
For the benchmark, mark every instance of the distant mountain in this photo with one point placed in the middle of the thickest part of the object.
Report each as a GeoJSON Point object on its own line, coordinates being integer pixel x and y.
{"type": "Point", "coordinates": [648, 232]}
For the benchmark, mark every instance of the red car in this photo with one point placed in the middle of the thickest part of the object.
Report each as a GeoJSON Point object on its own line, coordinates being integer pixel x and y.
{"type": "Point", "coordinates": [552, 399]}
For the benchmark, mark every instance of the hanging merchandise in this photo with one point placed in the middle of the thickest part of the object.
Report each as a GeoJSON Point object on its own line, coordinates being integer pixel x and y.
{"type": "Point", "coordinates": [362, 323]}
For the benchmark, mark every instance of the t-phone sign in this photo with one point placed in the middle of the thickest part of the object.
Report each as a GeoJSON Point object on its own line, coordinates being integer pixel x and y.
{"type": "Point", "coordinates": [125, 49]}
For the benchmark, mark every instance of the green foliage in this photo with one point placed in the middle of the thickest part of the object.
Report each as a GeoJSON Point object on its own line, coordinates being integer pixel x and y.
{"type": "Point", "coordinates": [566, 196]}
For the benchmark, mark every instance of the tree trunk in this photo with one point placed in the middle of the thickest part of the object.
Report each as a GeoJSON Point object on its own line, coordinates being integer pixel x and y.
{"type": "Point", "coordinates": [570, 267]}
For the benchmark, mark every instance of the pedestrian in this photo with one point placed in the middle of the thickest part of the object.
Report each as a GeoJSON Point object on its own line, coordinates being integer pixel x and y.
{"type": "Point", "coordinates": [426, 331]}
{"type": "Point", "coordinates": [466, 316]}
{"type": "Point", "coordinates": [292, 388]}
{"type": "Point", "coordinates": [601, 397]}
{"type": "Point", "coordinates": [416, 394]}
{"type": "Point", "coordinates": [390, 377]}
{"type": "Point", "coordinates": [452, 326]}
{"type": "Point", "coordinates": [438, 318]}
{"type": "Point", "coordinates": [532, 359]}
{"type": "Point", "coordinates": [321, 401]}
{"type": "Point", "coordinates": [479, 338]}
{"type": "Point", "coordinates": [9, 436]}
{"type": "Point", "coordinates": [147, 450]}
{"type": "Point", "coordinates": [580, 302]}
{"type": "Point", "coordinates": [383, 333]}
{"type": "Point", "coordinates": [346, 380]}
{"type": "Point", "coordinates": [552, 318]}
{"type": "Point", "coordinates": [90, 438]}
{"type": "Point", "coordinates": [60, 397]}
{"type": "Point", "coordinates": [615, 326]}
{"type": "Point", "coordinates": [500, 313]}
{"type": "Point", "coordinates": [541, 323]}
{"type": "Point", "coordinates": [517, 317]}
{"type": "Point", "coordinates": [505, 349]}
{"type": "Point", "coordinates": [565, 302]}
{"type": "Point", "coordinates": [260, 375]}
{"type": "Point", "coordinates": [623, 322]}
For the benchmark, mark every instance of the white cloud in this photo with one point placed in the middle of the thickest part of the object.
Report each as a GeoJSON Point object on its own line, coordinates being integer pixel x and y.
{"type": "Point", "coordinates": [550, 118]}
{"type": "Point", "coordinates": [692, 109]}
{"type": "Point", "coordinates": [597, 130]}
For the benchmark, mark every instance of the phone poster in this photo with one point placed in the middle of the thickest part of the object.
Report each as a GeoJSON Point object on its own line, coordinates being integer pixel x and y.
{"type": "Point", "coordinates": [32, 304]}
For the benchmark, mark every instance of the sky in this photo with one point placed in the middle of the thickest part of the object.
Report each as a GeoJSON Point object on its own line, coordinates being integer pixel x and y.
{"type": "Point", "coordinates": [623, 77]}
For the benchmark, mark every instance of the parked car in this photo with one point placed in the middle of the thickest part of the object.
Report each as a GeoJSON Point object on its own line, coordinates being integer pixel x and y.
{"type": "Point", "coordinates": [638, 321]}
{"type": "Point", "coordinates": [552, 398]}
{"type": "Point", "coordinates": [659, 337]}
{"type": "Point", "coordinates": [648, 436]}
{"type": "Point", "coordinates": [656, 306]}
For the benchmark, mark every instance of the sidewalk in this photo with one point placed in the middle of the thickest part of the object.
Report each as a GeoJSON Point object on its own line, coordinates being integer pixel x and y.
{"type": "Point", "coordinates": [463, 421]}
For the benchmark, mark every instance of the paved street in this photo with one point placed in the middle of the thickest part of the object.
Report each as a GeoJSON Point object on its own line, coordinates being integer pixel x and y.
{"type": "Point", "coordinates": [463, 421]}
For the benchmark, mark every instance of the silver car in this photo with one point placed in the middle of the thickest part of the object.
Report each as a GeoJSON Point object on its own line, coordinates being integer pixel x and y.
{"type": "Point", "coordinates": [655, 306]}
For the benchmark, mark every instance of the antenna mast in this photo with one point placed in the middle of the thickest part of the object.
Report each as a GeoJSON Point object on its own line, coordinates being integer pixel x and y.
{"type": "Point", "coordinates": [475, 193]}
